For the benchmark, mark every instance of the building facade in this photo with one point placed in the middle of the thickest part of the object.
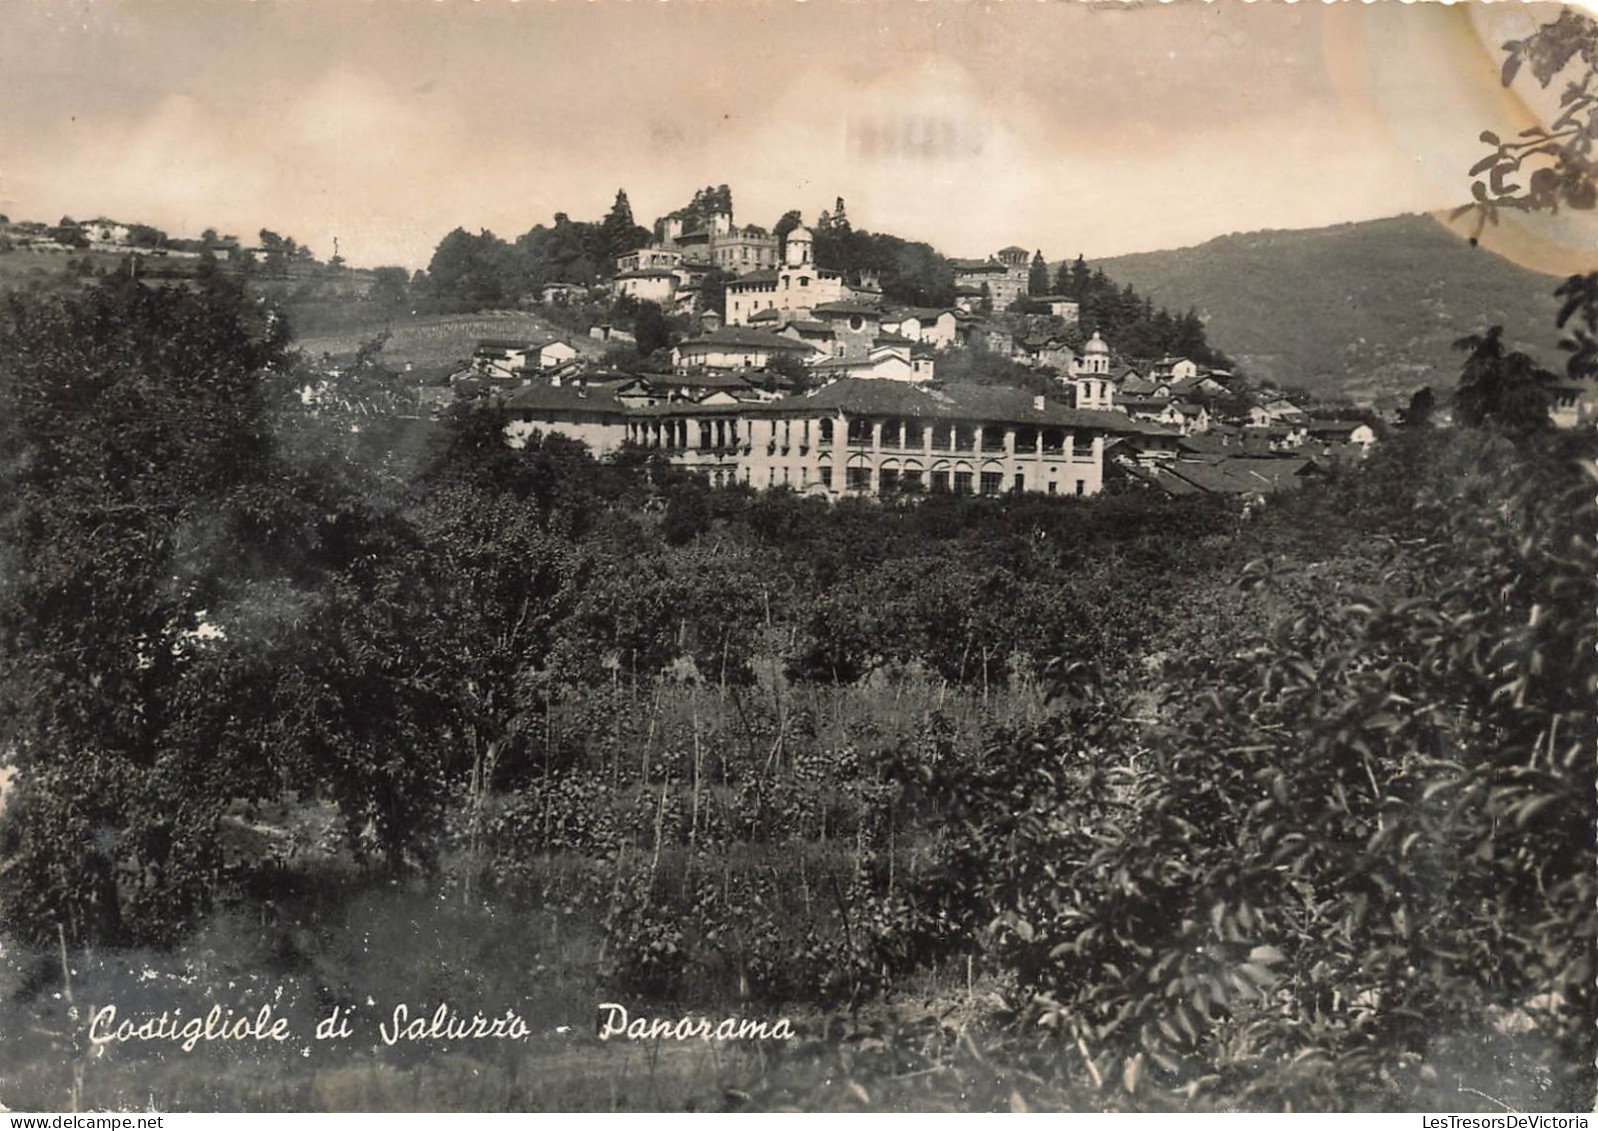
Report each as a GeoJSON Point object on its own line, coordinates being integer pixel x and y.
{"type": "Point", "coordinates": [866, 437]}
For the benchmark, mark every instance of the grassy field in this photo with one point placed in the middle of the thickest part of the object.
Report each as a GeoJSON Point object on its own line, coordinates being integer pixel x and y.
{"type": "Point", "coordinates": [438, 339]}
{"type": "Point", "coordinates": [692, 860]}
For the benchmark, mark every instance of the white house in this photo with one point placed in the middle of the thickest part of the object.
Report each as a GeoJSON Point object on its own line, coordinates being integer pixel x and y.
{"type": "Point", "coordinates": [648, 284]}
{"type": "Point", "coordinates": [737, 347]}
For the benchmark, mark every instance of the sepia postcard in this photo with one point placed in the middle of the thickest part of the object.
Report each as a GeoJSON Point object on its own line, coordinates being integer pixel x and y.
{"type": "Point", "coordinates": [896, 556]}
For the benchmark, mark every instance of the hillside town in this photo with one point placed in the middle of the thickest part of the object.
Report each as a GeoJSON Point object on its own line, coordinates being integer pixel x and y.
{"type": "Point", "coordinates": [783, 372]}
{"type": "Point", "coordinates": [807, 379]}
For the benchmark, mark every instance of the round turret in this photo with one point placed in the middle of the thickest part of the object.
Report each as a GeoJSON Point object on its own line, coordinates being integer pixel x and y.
{"type": "Point", "coordinates": [1095, 356]}
{"type": "Point", "coordinates": [799, 245]}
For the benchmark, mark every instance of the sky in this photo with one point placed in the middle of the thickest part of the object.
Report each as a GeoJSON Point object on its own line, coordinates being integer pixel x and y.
{"type": "Point", "coordinates": [1072, 128]}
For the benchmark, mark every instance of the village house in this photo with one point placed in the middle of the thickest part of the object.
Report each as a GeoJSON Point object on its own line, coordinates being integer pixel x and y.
{"type": "Point", "coordinates": [579, 411]}
{"type": "Point", "coordinates": [1277, 410]}
{"type": "Point", "coordinates": [1133, 384]}
{"type": "Point", "coordinates": [812, 331]}
{"type": "Point", "coordinates": [562, 294]}
{"type": "Point", "coordinates": [648, 284]}
{"type": "Point", "coordinates": [1341, 432]}
{"type": "Point", "coordinates": [106, 232]}
{"type": "Point", "coordinates": [889, 358]}
{"type": "Point", "coordinates": [1068, 310]}
{"type": "Point", "coordinates": [736, 347]}
{"type": "Point", "coordinates": [934, 327]}
{"type": "Point", "coordinates": [1574, 404]}
{"type": "Point", "coordinates": [506, 359]}
{"type": "Point", "coordinates": [854, 326]}
{"type": "Point", "coordinates": [1047, 351]}
{"type": "Point", "coordinates": [650, 258]}
{"type": "Point", "coordinates": [1173, 369]}
{"type": "Point", "coordinates": [974, 332]}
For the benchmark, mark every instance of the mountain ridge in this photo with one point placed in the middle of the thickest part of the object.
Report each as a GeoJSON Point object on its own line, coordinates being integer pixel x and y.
{"type": "Point", "coordinates": [1362, 309]}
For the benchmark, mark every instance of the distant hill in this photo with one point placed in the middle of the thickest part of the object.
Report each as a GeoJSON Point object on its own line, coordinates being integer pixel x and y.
{"type": "Point", "coordinates": [1359, 310]}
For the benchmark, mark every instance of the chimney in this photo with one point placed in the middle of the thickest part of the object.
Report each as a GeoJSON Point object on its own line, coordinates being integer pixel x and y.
{"type": "Point", "coordinates": [1037, 403]}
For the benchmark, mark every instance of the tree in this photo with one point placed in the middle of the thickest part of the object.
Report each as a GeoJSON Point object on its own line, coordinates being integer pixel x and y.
{"type": "Point", "coordinates": [791, 219]}
{"type": "Point", "coordinates": [1080, 279]}
{"type": "Point", "coordinates": [618, 232]}
{"type": "Point", "coordinates": [713, 291]}
{"type": "Point", "coordinates": [1506, 390]}
{"type": "Point", "coordinates": [205, 615]}
{"type": "Point", "coordinates": [390, 288]}
{"type": "Point", "coordinates": [142, 235]}
{"type": "Point", "coordinates": [477, 271]}
{"type": "Point", "coordinates": [785, 369]}
{"type": "Point", "coordinates": [1038, 277]}
{"type": "Point", "coordinates": [840, 218]}
{"type": "Point", "coordinates": [1422, 405]}
{"type": "Point", "coordinates": [650, 330]}
{"type": "Point", "coordinates": [1559, 157]}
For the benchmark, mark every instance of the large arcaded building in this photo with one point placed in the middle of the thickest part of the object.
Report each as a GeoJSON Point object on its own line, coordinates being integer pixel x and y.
{"type": "Point", "coordinates": [853, 437]}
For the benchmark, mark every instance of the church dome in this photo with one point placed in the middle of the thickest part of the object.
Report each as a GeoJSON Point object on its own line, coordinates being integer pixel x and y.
{"type": "Point", "coordinates": [1095, 344]}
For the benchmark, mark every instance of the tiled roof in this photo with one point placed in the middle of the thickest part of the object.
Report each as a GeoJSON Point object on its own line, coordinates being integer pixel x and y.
{"type": "Point", "coordinates": [741, 337]}
{"type": "Point", "coordinates": [690, 408]}
{"type": "Point", "coordinates": [1332, 427]}
{"type": "Point", "coordinates": [752, 277]}
{"type": "Point", "coordinates": [847, 307]}
{"type": "Point", "coordinates": [1159, 477]}
{"type": "Point", "coordinates": [709, 379]}
{"type": "Point", "coordinates": [539, 397]}
{"type": "Point", "coordinates": [874, 397]}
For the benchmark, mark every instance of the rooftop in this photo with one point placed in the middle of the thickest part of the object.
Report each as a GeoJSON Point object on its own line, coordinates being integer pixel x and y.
{"type": "Point", "coordinates": [846, 307]}
{"type": "Point", "coordinates": [752, 278]}
{"type": "Point", "coordinates": [741, 337]}
{"type": "Point", "coordinates": [565, 398]}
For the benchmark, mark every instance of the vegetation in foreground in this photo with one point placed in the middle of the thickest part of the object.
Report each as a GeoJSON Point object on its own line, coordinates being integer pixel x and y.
{"type": "Point", "coordinates": [1127, 803]}
{"type": "Point", "coordinates": [1284, 813]}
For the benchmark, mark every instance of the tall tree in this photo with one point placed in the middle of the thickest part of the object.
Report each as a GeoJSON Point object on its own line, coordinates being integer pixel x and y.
{"type": "Point", "coordinates": [1505, 389]}
{"type": "Point", "coordinates": [651, 330]}
{"type": "Point", "coordinates": [618, 232]}
{"type": "Point", "coordinates": [840, 218]}
{"type": "Point", "coordinates": [713, 291]}
{"type": "Point", "coordinates": [1422, 407]}
{"type": "Point", "coordinates": [1080, 279]}
{"type": "Point", "coordinates": [1038, 278]}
